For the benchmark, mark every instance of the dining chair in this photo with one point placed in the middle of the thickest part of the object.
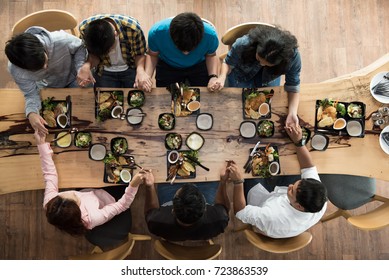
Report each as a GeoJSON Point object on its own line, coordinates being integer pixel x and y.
{"type": "Point", "coordinates": [174, 251]}
{"type": "Point", "coordinates": [118, 253]}
{"type": "Point", "coordinates": [277, 245]}
{"type": "Point", "coordinates": [51, 19]}
{"type": "Point", "coordinates": [238, 31]}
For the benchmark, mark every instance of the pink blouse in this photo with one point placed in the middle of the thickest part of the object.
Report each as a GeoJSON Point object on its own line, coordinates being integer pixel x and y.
{"type": "Point", "coordinates": [96, 205]}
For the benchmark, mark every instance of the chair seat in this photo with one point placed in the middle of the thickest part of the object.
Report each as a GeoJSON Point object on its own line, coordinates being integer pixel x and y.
{"type": "Point", "coordinates": [375, 219]}
{"type": "Point", "coordinates": [278, 245]}
{"type": "Point", "coordinates": [172, 251]}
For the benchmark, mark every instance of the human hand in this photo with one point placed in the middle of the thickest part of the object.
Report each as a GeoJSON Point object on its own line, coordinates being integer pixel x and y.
{"type": "Point", "coordinates": [234, 172]}
{"type": "Point", "coordinates": [224, 173]}
{"type": "Point", "coordinates": [38, 123]}
{"type": "Point", "coordinates": [137, 180]}
{"type": "Point", "coordinates": [291, 120]}
{"type": "Point", "coordinates": [216, 84]}
{"type": "Point", "coordinates": [143, 81]}
{"type": "Point", "coordinates": [85, 76]}
{"type": "Point", "coordinates": [39, 137]}
{"type": "Point", "coordinates": [295, 133]}
{"type": "Point", "coordinates": [148, 178]}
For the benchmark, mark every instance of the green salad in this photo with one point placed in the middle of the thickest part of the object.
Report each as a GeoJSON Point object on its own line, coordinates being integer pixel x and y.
{"type": "Point", "coordinates": [137, 99]}
{"type": "Point", "coordinates": [83, 139]}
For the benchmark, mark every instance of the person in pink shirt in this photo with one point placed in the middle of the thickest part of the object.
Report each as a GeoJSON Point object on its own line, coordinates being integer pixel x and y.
{"type": "Point", "coordinates": [77, 212]}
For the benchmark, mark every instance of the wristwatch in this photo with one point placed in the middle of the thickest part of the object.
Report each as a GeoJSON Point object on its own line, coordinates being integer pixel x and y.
{"type": "Point", "coordinates": [300, 143]}
{"type": "Point", "coordinates": [213, 76]}
{"type": "Point", "coordinates": [237, 182]}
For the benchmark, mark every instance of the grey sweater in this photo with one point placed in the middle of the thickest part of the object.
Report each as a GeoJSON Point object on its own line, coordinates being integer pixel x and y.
{"type": "Point", "coordinates": [66, 55]}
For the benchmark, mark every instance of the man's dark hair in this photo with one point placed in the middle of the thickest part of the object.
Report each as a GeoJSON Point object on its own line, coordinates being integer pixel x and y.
{"type": "Point", "coordinates": [26, 51]}
{"type": "Point", "coordinates": [99, 37]}
{"type": "Point", "coordinates": [189, 204]}
{"type": "Point", "coordinates": [311, 194]}
{"type": "Point", "coordinates": [186, 30]}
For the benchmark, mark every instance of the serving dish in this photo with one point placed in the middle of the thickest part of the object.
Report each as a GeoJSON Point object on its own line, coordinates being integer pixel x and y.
{"type": "Point", "coordinates": [97, 151]}
{"type": "Point", "coordinates": [252, 99]}
{"type": "Point", "coordinates": [181, 99]}
{"type": "Point", "coordinates": [320, 142]}
{"type": "Point", "coordinates": [134, 116]}
{"type": "Point", "coordinates": [136, 98]}
{"type": "Point", "coordinates": [105, 102]}
{"type": "Point", "coordinates": [173, 141]}
{"type": "Point", "coordinates": [64, 139]}
{"type": "Point", "coordinates": [328, 111]}
{"type": "Point", "coordinates": [166, 121]}
{"type": "Point", "coordinates": [384, 139]}
{"type": "Point", "coordinates": [247, 129]}
{"type": "Point", "coordinates": [183, 168]}
{"type": "Point", "coordinates": [82, 139]}
{"type": "Point", "coordinates": [119, 145]}
{"type": "Point", "coordinates": [262, 159]}
{"type": "Point", "coordinates": [57, 113]}
{"type": "Point", "coordinates": [374, 82]}
{"type": "Point", "coordinates": [204, 121]}
{"type": "Point", "coordinates": [114, 164]}
{"type": "Point", "coordinates": [265, 128]}
{"type": "Point", "coordinates": [195, 141]}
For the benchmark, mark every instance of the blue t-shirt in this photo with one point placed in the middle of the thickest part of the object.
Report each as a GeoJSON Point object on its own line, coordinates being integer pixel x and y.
{"type": "Point", "coordinates": [159, 40]}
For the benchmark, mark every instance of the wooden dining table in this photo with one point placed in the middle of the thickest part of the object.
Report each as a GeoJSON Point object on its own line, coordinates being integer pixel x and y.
{"type": "Point", "coordinates": [19, 158]}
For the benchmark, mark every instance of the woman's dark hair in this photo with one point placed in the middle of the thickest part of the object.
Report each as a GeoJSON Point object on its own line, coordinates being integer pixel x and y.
{"type": "Point", "coordinates": [26, 51]}
{"type": "Point", "coordinates": [99, 37]}
{"type": "Point", "coordinates": [273, 44]}
{"type": "Point", "coordinates": [189, 204]}
{"type": "Point", "coordinates": [186, 30]}
{"type": "Point", "coordinates": [311, 194]}
{"type": "Point", "coordinates": [65, 215]}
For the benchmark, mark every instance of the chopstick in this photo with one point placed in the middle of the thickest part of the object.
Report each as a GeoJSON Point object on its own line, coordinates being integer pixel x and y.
{"type": "Point", "coordinates": [196, 161]}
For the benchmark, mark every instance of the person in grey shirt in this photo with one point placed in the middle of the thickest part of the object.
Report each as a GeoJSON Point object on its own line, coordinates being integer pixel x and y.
{"type": "Point", "coordinates": [39, 58]}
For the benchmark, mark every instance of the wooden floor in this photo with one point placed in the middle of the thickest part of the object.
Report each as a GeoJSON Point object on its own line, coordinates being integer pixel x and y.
{"type": "Point", "coordinates": [336, 37]}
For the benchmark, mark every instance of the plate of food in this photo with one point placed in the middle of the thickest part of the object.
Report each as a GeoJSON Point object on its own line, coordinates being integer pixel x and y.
{"type": "Point", "coordinates": [379, 87]}
{"type": "Point", "coordinates": [136, 98]}
{"type": "Point", "coordinates": [173, 141]}
{"type": "Point", "coordinates": [253, 100]}
{"type": "Point", "coordinates": [166, 121]}
{"type": "Point", "coordinates": [57, 113]}
{"type": "Point", "coordinates": [183, 168]}
{"type": "Point", "coordinates": [185, 100]}
{"type": "Point", "coordinates": [119, 145]}
{"type": "Point", "coordinates": [82, 139]}
{"type": "Point", "coordinates": [332, 117]}
{"type": "Point", "coordinates": [105, 102]}
{"type": "Point", "coordinates": [265, 128]}
{"type": "Point", "coordinates": [113, 166]}
{"type": "Point", "coordinates": [384, 140]}
{"type": "Point", "coordinates": [262, 162]}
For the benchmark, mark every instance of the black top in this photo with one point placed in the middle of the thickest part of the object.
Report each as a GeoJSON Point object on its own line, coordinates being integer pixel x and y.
{"type": "Point", "coordinates": [161, 222]}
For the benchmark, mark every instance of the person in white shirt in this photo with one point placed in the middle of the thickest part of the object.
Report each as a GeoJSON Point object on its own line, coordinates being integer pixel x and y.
{"type": "Point", "coordinates": [286, 211]}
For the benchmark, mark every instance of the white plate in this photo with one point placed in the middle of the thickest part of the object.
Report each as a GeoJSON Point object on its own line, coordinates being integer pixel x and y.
{"type": "Point", "coordinates": [384, 146]}
{"type": "Point", "coordinates": [376, 79]}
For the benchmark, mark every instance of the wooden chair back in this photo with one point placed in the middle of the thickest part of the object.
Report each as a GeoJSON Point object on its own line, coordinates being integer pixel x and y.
{"type": "Point", "coordinates": [278, 245]}
{"type": "Point", "coordinates": [375, 219]}
{"type": "Point", "coordinates": [173, 251]}
{"type": "Point", "coordinates": [118, 253]}
{"type": "Point", "coordinates": [52, 20]}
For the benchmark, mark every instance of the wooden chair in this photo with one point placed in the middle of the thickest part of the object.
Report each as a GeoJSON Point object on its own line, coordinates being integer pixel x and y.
{"type": "Point", "coordinates": [278, 245]}
{"type": "Point", "coordinates": [173, 251]}
{"type": "Point", "coordinates": [52, 20]}
{"type": "Point", "coordinates": [238, 31]}
{"type": "Point", "coordinates": [118, 253]}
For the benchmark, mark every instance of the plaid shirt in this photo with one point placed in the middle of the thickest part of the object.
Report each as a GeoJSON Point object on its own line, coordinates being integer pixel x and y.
{"type": "Point", "coordinates": [131, 37]}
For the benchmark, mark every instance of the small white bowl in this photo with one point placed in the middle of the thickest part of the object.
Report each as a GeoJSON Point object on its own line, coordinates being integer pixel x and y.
{"type": "Point", "coordinates": [319, 142]}
{"type": "Point", "coordinates": [125, 175]}
{"type": "Point", "coordinates": [62, 120]}
{"type": "Point", "coordinates": [116, 111]}
{"type": "Point", "coordinates": [274, 168]}
{"type": "Point", "coordinates": [173, 156]}
{"type": "Point", "coordinates": [264, 109]}
{"type": "Point", "coordinates": [97, 152]}
{"type": "Point", "coordinates": [193, 106]}
{"type": "Point", "coordinates": [354, 128]}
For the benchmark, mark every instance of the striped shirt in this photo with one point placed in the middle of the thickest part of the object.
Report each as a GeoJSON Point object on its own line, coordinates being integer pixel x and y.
{"type": "Point", "coordinates": [131, 38]}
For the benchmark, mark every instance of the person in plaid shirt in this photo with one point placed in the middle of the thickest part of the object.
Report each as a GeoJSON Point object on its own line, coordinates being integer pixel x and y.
{"type": "Point", "coordinates": [116, 46]}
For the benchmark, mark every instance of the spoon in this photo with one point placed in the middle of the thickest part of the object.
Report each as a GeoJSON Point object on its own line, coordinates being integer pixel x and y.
{"type": "Point", "coordinates": [71, 131]}
{"type": "Point", "coordinates": [183, 104]}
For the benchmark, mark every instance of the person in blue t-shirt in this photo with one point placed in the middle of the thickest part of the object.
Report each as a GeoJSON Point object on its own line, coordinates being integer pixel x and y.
{"type": "Point", "coordinates": [182, 49]}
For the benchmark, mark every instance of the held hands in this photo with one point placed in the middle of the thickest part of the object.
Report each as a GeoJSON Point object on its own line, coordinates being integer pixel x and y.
{"type": "Point", "coordinates": [84, 76]}
{"type": "Point", "coordinates": [231, 172]}
{"type": "Point", "coordinates": [142, 177]}
{"type": "Point", "coordinates": [38, 123]}
{"type": "Point", "coordinates": [291, 120]}
{"type": "Point", "coordinates": [143, 81]}
{"type": "Point", "coordinates": [39, 137]}
{"type": "Point", "coordinates": [295, 132]}
{"type": "Point", "coordinates": [216, 84]}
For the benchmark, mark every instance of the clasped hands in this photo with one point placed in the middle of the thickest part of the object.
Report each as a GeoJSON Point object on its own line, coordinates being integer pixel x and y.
{"type": "Point", "coordinates": [230, 172]}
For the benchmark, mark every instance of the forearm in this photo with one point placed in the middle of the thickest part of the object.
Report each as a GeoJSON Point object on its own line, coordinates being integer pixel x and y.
{"type": "Point", "coordinates": [293, 102]}
{"type": "Point", "coordinates": [239, 199]}
{"type": "Point", "coordinates": [304, 157]}
{"type": "Point", "coordinates": [222, 196]}
{"type": "Point", "coordinates": [212, 62]}
{"type": "Point", "coordinates": [151, 64]}
{"type": "Point", "coordinates": [151, 201]}
{"type": "Point", "coordinates": [140, 61]}
{"type": "Point", "coordinates": [225, 70]}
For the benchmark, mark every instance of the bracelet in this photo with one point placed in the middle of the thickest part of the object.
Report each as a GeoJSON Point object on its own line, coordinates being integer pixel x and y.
{"type": "Point", "coordinates": [237, 182]}
{"type": "Point", "coordinates": [213, 76]}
